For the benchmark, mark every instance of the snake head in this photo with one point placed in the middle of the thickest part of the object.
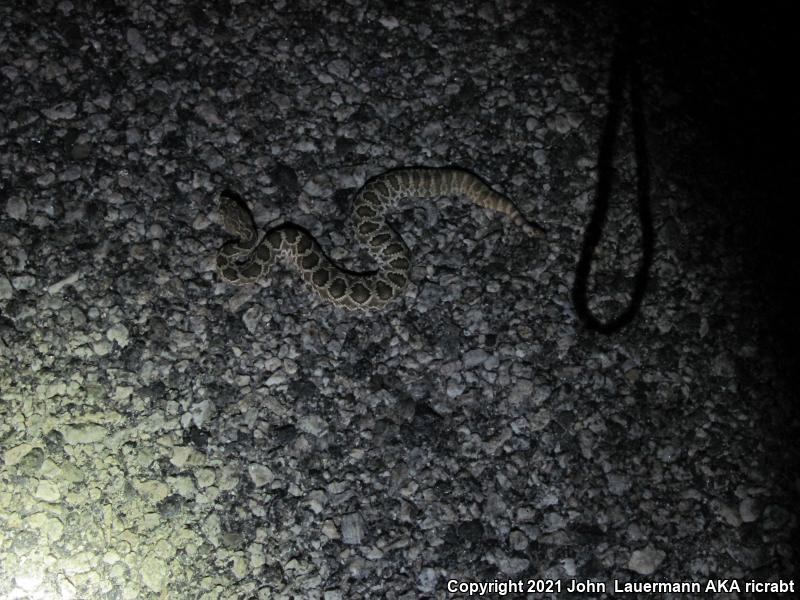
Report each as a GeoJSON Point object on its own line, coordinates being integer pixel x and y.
{"type": "Point", "coordinates": [235, 216]}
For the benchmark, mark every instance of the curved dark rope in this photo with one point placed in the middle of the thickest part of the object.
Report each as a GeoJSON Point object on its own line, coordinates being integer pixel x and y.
{"type": "Point", "coordinates": [624, 69]}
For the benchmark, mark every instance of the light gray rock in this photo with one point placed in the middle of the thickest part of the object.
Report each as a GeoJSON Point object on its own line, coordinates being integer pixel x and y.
{"type": "Point", "coordinates": [352, 529]}
{"type": "Point", "coordinates": [646, 560]}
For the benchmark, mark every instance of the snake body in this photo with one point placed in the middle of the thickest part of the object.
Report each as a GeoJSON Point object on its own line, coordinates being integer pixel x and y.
{"type": "Point", "coordinates": [247, 259]}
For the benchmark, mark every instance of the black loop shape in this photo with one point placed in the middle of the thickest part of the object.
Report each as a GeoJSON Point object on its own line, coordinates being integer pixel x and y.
{"type": "Point", "coordinates": [624, 69]}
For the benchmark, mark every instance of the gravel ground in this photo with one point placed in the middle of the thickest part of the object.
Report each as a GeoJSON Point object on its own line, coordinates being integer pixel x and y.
{"type": "Point", "coordinates": [165, 435]}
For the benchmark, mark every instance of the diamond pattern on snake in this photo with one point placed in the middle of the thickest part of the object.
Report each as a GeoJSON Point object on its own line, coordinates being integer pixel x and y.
{"type": "Point", "coordinates": [248, 259]}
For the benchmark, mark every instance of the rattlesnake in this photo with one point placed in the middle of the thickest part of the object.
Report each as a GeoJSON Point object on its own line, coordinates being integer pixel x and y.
{"type": "Point", "coordinates": [246, 260]}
